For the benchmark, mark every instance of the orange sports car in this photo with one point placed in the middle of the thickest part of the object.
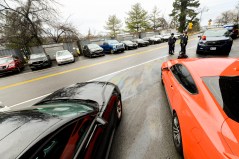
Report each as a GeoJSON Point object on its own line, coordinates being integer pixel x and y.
{"type": "Point", "coordinates": [204, 98]}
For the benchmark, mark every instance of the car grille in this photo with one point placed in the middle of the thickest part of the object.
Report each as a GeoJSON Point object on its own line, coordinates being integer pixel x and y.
{"type": "Point", "coordinates": [38, 62]}
{"type": "Point", "coordinates": [215, 42]}
{"type": "Point", "coordinates": [119, 46]}
{"type": "Point", "coordinates": [3, 67]}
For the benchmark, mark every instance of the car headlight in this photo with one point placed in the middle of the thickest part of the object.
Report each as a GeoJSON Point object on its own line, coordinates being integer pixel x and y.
{"type": "Point", "coordinates": [201, 43]}
{"type": "Point", "coordinates": [11, 65]}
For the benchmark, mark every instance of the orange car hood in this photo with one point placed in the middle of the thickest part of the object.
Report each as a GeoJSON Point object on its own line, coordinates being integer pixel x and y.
{"type": "Point", "coordinates": [230, 132]}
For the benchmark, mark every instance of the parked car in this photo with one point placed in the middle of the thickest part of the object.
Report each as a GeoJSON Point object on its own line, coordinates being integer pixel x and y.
{"type": "Point", "coordinates": [129, 45]}
{"type": "Point", "coordinates": [93, 50]}
{"type": "Point", "coordinates": [141, 42]}
{"type": "Point", "coordinates": [112, 46]}
{"type": "Point", "coordinates": [177, 35]}
{"type": "Point", "coordinates": [233, 29]}
{"type": "Point", "coordinates": [78, 121]}
{"type": "Point", "coordinates": [215, 41]}
{"type": "Point", "coordinates": [10, 64]}
{"type": "Point", "coordinates": [203, 98]}
{"type": "Point", "coordinates": [39, 60]}
{"type": "Point", "coordinates": [165, 37]}
{"type": "Point", "coordinates": [152, 40]}
{"type": "Point", "coordinates": [64, 56]}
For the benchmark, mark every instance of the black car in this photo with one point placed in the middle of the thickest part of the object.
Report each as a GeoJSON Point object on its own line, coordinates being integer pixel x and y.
{"type": "Point", "coordinates": [215, 41]}
{"type": "Point", "coordinates": [39, 60]}
{"type": "Point", "coordinates": [233, 29]}
{"type": "Point", "coordinates": [141, 42]}
{"type": "Point", "coordinates": [129, 45]}
{"type": "Point", "coordinates": [78, 121]}
{"type": "Point", "coordinates": [93, 50]}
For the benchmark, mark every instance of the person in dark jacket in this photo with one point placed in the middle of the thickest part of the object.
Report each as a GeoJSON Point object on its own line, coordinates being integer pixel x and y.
{"type": "Point", "coordinates": [183, 42]}
{"type": "Point", "coordinates": [171, 44]}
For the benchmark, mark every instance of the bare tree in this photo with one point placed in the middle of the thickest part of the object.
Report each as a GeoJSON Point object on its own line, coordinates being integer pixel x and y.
{"type": "Point", "coordinates": [61, 32]}
{"type": "Point", "coordinates": [31, 12]}
{"type": "Point", "coordinates": [225, 18]}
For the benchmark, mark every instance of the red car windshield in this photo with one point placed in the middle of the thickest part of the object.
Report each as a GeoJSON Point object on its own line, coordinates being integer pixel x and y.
{"type": "Point", "coordinates": [225, 90]}
{"type": "Point", "coordinates": [5, 60]}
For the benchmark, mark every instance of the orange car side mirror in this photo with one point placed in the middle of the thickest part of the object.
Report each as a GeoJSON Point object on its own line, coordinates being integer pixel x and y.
{"type": "Point", "coordinates": [165, 69]}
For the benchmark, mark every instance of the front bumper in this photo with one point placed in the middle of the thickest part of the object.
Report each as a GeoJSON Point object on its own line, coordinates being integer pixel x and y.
{"type": "Point", "coordinates": [65, 61]}
{"type": "Point", "coordinates": [4, 70]}
{"type": "Point", "coordinates": [39, 64]}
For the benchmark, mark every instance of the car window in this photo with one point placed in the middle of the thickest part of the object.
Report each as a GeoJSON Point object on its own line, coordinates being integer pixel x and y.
{"type": "Point", "coordinates": [225, 91]}
{"type": "Point", "coordinates": [216, 32]}
{"type": "Point", "coordinates": [62, 53]}
{"type": "Point", "coordinates": [64, 144]}
{"type": "Point", "coordinates": [184, 77]}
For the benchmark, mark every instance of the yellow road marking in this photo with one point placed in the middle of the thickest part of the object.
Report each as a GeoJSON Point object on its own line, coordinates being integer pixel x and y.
{"type": "Point", "coordinates": [80, 68]}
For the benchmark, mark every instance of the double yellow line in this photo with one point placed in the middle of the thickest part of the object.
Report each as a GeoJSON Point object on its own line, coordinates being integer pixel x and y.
{"type": "Point", "coordinates": [76, 69]}
{"type": "Point", "coordinates": [80, 68]}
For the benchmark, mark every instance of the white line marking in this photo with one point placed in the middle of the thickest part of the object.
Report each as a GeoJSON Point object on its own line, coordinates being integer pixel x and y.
{"type": "Point", "coordinates": [113, 73]}
{"type": "Point", "coordinates": [95, 79]}
{"type": "Point", "coordinates": [30, 100]}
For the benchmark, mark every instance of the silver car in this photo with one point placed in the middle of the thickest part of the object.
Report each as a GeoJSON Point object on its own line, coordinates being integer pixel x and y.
{"type": "Point", "coordinates": [64, 56]}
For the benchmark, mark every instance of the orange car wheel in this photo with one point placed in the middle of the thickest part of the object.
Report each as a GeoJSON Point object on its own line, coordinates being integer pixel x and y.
{"type": "Point", "coordinates": [177, 138]}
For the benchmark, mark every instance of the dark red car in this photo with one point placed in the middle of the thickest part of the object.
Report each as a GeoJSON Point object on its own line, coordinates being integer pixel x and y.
{"type": "Point", "coordinates": [78, 121]}
{"type": "Point", "coordinates": [10, 64]}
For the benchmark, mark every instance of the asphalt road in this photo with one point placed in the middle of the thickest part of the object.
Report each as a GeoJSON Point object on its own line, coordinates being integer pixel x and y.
{"type": "Point", "coordinates": [145, 130]}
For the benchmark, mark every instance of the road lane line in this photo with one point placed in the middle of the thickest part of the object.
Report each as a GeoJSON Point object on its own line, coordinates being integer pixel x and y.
{"type": "Point", "coordinates": [76, 69]}
{"type": "Point", "coordinates": [80, 68]}
{"type": "Point", "coordinates": [95, 79]}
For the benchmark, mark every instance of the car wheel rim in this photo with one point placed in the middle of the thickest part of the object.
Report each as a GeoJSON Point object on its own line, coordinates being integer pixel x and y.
{"type": "Point", "coordinates": [176, 132]}
{"type": "Point", "coordinates": [119, 109]}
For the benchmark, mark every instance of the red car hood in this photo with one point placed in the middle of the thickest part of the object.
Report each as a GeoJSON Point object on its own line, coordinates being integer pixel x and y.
{"type": "Point", "coordinates": [230, 132]}
{"type": "Point", "coordinates": [5, 64]}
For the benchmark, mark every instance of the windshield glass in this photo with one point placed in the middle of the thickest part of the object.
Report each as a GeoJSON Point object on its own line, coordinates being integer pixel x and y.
{"type": "Point", "coordinates": [62, 53]}
{"type": "Point", "coordinates": [127, 42]}
{"type": "Point", "coordinates": [140, 40]}
{"type": "Point", "coordinates": [64, 109]}
{"type": "Point", "coordinates": [113, 42]}
{"type": "Point", "coordinates": [225, 91]}
{"type": "Point", "coordinates": [35, 56]}
{"type": "Point", "coordinates": [218, 32]}
{"type": "Point", "coordinates": [6, 60]}
{"type": "Point", "coordinates": [93, 46]}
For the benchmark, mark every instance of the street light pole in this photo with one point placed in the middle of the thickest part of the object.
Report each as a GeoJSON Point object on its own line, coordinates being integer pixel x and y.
{"type": "Point", "coordinates": [204, 9]}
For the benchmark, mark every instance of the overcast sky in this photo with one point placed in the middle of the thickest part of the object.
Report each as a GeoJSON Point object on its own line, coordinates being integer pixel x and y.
{"type": "Point", "coordinates": [93, 14]}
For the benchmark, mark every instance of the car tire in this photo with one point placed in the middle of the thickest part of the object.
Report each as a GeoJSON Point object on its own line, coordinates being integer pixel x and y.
{"type": "Point", "coordinates": [18, 70]}
{"type": "Point", "coordinates": [119, 109]}
{"type": "Point", "coordinates": [176, 131]}
{"type": "Point", "coordinates": [111, 51]}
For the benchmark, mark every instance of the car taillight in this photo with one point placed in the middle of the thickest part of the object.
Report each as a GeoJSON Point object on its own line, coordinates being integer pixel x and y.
{"type": "Point", "coordinates": [204, 37]}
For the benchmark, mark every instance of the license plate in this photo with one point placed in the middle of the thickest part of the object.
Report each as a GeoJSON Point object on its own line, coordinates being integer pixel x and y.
{"type": "Point", "coordinates": [213, 48]}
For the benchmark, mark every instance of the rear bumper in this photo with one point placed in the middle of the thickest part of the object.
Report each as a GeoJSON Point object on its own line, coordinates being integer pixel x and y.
{"type": "Point", "coordinates": [218, 49]}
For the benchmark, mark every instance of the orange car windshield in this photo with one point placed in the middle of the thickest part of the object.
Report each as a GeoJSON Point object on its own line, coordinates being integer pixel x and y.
{"type": "Point", "coordinates": [225, 90]}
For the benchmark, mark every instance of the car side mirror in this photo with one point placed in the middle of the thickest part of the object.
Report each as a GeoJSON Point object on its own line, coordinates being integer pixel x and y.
{"type": "Point", "coordinates": [165, 69]}
{"type": "Point", "coordinates": [101, 121]}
